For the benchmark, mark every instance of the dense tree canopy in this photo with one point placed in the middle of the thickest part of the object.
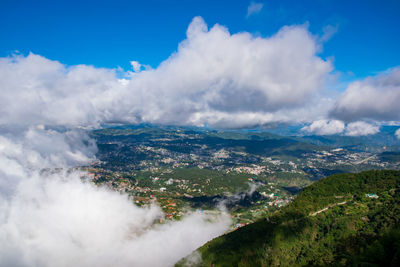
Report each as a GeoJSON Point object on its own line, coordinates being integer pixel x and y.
{"type": "Point", "coordinates": [342, 220]}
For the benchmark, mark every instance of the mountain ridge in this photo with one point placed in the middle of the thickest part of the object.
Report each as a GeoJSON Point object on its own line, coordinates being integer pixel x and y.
{"type": "Point", "coordinates": [341, 220]}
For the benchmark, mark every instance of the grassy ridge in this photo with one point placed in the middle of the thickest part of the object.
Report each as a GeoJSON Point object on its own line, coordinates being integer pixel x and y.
{"type": "Point", "coordinates": [351, 229]}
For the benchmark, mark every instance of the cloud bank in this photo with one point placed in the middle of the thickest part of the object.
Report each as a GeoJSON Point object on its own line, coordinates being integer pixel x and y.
{"type": "Point", "coordinates": [214, 78]}
{"type": "Point", "coordinates": [363, 106]}
{"type": "Point", "coordinates": [331, 127]}
{"type": "Point", "coordinates": [373, 98]}
{"type": "Point", "coordinates": [49, 217]}
{"type": "Point", "coordinates": [360, 128]}
{"type": "Point", "coordinates": [325, 127]}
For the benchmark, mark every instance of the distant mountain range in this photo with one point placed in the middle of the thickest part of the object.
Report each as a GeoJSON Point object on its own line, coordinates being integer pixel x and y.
{"type": "Point", "coordinates": [384, 140]}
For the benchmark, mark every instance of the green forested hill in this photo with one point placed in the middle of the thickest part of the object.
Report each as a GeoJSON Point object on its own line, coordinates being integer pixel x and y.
{"type": "Point", "coordinates": [332, 222]}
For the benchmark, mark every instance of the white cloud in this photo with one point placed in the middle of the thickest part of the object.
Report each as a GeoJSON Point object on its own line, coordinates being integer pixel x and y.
{"type": "Point", "coordinates": [59, 221]}
{"type": "Point", "coordinates": [330, 127]}
{"type": "Point", "coordinates": [49, 217]}
{"type": "Point", "coordinates": [375, 98]}
{"type": "Point", "coordinates": [254, 8]}
{"type": "Point", "coordinates": [325, 127]}
{"type": "Point", "coordinates": [36, 91]}
{"type": "Point", "coordinates": [360, 128]}
{"type": "Point", "coordinates": [328, 31]}
{"type": "Point", "coordinates": [213, 74]}
{"type": "Point", "coordinates": [136, 66]}
{"type": "Point", "coordinates": [397, 133]}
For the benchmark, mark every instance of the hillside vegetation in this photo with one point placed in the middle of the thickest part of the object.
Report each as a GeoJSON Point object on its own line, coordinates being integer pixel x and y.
{"type": "Point", "coordinates": [341, 220]}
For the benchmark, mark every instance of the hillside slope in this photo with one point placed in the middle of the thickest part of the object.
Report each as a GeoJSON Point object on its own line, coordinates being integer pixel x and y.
{"type": "Point", "coordinates": [342, 220]}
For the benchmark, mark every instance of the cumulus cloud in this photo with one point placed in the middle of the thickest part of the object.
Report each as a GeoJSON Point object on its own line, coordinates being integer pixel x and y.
{"type": "Point", "coordinates": [360, 128]}
{"type": "Point", "coordinates": [214, 72]}
{"type": "Point", "coordinates": [213, 77]}
{"type": "Point", "coordinates": [254, 8]}
{"type": "Point", "coordinates": [331, 127]}
{"type": "Point", "coordinates": [375, 98]}
{"type": "Point", "coordinates": [136, 66]}
{"type": "Point", "coordinates": [325, 127]}
{"type": "Point", "coordinates": [37, 91]}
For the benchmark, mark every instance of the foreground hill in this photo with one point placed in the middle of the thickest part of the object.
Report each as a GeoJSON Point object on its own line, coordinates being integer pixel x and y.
{"type": "Point", "coordinates": [341, 220]}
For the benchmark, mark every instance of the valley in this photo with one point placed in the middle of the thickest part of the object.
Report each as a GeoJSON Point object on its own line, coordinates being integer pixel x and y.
{"type": "Point", "coordinates": [251, 174]}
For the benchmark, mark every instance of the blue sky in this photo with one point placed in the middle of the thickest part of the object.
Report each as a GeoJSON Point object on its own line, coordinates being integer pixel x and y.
{"type": "Point", "coordinates": [111, 33]}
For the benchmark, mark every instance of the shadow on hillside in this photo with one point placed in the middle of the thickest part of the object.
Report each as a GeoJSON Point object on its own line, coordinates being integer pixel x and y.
{"type": "Point", "coordinates": [247, 244]}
